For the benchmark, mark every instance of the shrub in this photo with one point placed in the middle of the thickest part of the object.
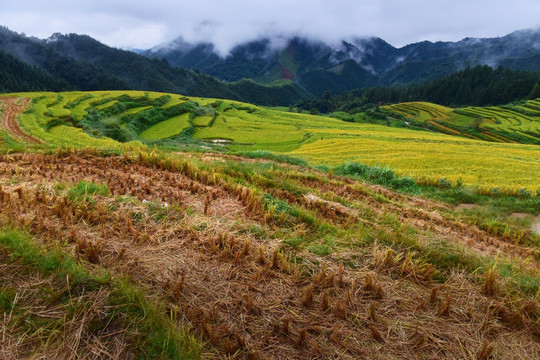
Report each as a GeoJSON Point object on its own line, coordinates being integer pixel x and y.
{"type": "Point", "coordinates": [378, 175]}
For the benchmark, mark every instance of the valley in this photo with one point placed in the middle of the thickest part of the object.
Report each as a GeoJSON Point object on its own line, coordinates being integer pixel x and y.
{"type": "Point", "coordinates": [169, 226]}
{"type": "Point", "coordinates": [255, 180]}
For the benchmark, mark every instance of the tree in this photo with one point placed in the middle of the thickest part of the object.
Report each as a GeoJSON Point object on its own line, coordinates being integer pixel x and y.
{"type": "Point", "coordinates": [535, 92]}
{"type": "Point", "coordinates": [477, 122]}
{"type": "Point", "coordinates": [326, 95]}
{"type": "Point", "coordinates": [314, 111]}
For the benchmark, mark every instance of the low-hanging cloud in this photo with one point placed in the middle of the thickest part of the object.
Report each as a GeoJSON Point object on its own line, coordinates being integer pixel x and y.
{"type": "Point", "coordinates": [226, 23]}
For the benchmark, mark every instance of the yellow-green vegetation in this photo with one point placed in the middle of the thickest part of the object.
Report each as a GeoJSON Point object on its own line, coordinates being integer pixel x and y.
{"type": "Point", "coordinates": [258, 254]}
{"type": "Point", "coordinates": [58, 110]}
{"type": "Point", "coordinates": [421, 111]}
{"type": "Point", "coordinates": [200, 101]}
{"type": "Point", "coordinates": [68, 135]}
{"type": "Point", "coordinates": [434, 156]}
{"type": "Point", "coordinates": [519, 122]}
{"type": "Point", "coordinates": [39, 122]}
{"type": "Point", "coordinates": [255, 128]}
{"type": "Point", "coordinates": [202, 120]}
{"type": "Point", "coordinates": [175, 100]}
{"type": "Point", "coordinates": [56, 118]}
{"type": "Point", "coordinates": [167, 128]}
{"type": "Point", "coordinates": [425, 155]}
{"type": "Point", "coordinates": [109, 119]}
{"type": "Point", "coordinates": [134, 111]}
{"type": "Point", "coordinates": [80, 105]}
{"type": "Point", "coordinates": [106, 105]}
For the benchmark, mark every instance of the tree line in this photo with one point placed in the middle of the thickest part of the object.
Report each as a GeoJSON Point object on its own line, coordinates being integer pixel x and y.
{"type": "Point", "coordinates": [474, 86]}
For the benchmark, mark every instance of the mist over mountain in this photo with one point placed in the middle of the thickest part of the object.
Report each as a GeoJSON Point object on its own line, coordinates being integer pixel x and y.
{"type": "Point", "coordinates": [79, 62]}
{"type": "Point", "coordinates": [269, 71]}
{"type": "Point", "coordinates": [355, 63]}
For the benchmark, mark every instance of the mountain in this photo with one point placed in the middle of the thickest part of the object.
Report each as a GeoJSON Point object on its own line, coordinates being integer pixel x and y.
{"type": "Point", "coordinates": [79, 62]}
{"type": "Point", "coordinates": [17, 76]}
{"type": "Point", "coordinates": [268, 71]}
{"type": "Point", "coordinates": [313, 65]}
{"type": "Point", "coordinates": [357, 63]}
{"type": "Point", "coordinates": [40, 55]}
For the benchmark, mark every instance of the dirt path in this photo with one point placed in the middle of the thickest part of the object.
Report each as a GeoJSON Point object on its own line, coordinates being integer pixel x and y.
{"type": "Point", "coordinates": [12, 107]}
{"type": "Point", "coordinates": [536, 225]}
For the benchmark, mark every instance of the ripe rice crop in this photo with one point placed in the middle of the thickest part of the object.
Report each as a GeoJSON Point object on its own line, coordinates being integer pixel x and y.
{"type": "Point", "coordinates": [436, 156]}
{"type": "Point", "coordinates": [509, 123]}
{"type": "Point", "coordinates": [426, 156]}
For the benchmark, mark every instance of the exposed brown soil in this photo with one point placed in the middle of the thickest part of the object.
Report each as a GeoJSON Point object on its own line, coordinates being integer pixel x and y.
{"type": "Point", "coordinates": [535, 220]}
{"type": "Point", "coordinates": [461, 207]}
{"type": "Point", "coordinates": [208, 248]}
{"type": "Point", "coordinates": [12, 107]}
{"type": "Point", "coordinates": [286, 73]}
{"type": "Point", "coordinates": [536, 224]}
{"type": "Point", "coordinates": [519, 216]}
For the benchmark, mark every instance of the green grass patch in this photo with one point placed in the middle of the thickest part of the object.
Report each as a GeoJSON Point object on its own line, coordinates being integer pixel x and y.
{"type": "Point", "coordinates": [378, 175]}
{"type": "Point", "coordinates": [84, 191]}
{"type": "Point", "coordinates": [168, 128]}
{"type": "Point", "coordinates": [151, 334]}
{"type": "Point", "coordinates": [7, 297]}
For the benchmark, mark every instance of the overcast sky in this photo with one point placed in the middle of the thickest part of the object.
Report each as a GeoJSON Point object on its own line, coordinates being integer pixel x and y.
{"type": "Point", "coordinates": [143, 24]}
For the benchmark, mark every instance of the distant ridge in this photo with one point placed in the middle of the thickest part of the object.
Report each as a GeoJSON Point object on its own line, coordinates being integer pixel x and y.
{"type": "Point", "coordinates": [356, 63]}
{"type": "Point", "coordinates": [268, 71]}
{"type": "Point", "coordinates": [79, 62]}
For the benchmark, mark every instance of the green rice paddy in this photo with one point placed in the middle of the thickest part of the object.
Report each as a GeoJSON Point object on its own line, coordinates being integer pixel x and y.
{"type": "Point", "coordinates": [108, 119]}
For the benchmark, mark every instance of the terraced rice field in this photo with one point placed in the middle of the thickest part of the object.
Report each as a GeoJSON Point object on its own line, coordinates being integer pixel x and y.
{"type": "Point", "coordinates": [466, 161]}
{"type": "Point", "coordinates": [167, 128]}
{"type": "Point", "coordinates": [136, 117]}
{"type": "Point", "coordinates": [202, 120]}
{"type": "Point", "coordinates": [513, 123]}
{"type": "Point", "coordinates": [245, 258]}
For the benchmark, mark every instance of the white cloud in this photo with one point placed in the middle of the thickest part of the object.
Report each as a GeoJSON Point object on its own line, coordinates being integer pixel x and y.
{"type": "Point", "coordinates": [144, 24]}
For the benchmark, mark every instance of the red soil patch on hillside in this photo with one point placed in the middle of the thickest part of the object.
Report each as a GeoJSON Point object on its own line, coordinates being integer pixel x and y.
{"type": "Point", "coordinates": [286, 73]}
{"type": "Point", "coordinates": [12, 107]}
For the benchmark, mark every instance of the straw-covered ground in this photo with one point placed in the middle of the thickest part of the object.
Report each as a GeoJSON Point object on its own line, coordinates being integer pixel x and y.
{"type": "Point", "coordinates": [253, 259]}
